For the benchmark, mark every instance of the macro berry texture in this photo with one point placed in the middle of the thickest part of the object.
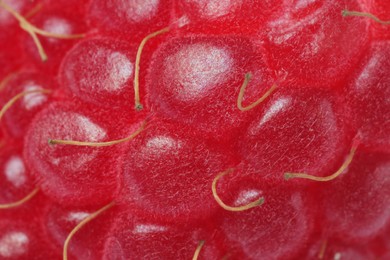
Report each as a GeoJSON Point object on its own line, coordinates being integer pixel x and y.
{"type": "Point", "coordinates": [194, 129]}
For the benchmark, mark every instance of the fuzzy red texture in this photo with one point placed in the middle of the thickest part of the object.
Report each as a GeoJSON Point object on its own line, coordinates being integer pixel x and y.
{"type": "Point", "coordinates": [280, 230]}
{"type": "Point", "coordinates": [144, 238]}
{"type": "Point", "coordinates": [58, 21]}
{"type": "Point", "coordinates": [57, 222]}
{"type": "Point", "coordinates": [367, 96]}
{"type": "Point", "coordinates": [332, 76]}
{"type": "Point", "coordinates": [200, 78]}
{"type": "Point", "coordinates": [100, 71]}
{"type": "Point", "coordinates": [133, 19]}
{"type": "Point", "coordinates": [167, 174]}
{"type": "Point", "coordinates": [359, 199]}
{"type": "Point", "coordinates": [76, 175]}
{"type": "Point", "coordinates": [15, 178]}
{"type": "Point", "coordinates": [16, 122]}
{"type": "Point", "coordinates": [225, 16]}
{"type": "Point", "coordinates": [285, 137]}
{"type": "Point", "coordinates": [329, 40]}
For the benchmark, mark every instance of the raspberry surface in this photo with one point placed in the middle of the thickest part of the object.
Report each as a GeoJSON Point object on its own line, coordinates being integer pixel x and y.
{"type": "Point", "coordinates": [167, 129]}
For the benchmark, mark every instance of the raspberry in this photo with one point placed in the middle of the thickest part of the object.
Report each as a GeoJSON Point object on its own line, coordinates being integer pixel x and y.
{"type": "Point", "coordinates": [279, 230]}
{"type": "Point", "coordinates": [329, 41]}
{"type": "Point", "coordinates": [226, 16]}
{"type": "Point", "coordinates": [201, 76]}
{"type": "Point", "coordinates": [35, 89]}
{"type": "Point", "coordinates": [161, 189]}
{"type": "Point", "coordinates": [16, 180]}
{"type": "Point", "coordinates": [66, 170]}
{"type": "Point", "coordinates": [371, 116]}
{"type": "Point", "coordinates": [284, 137]}
{"type": "Point", "coordinates": [380, 19]}
{"type": "Point", "coordinates": [57, 21]}
{"type": "Point", "coordinates": [100, 71]}
{"type": "Point", "coordinates": [135, 17]}
{"type": "Point", "coordinates": [58, 221]}
{"type": "Point", "coordinates": [337, 250]}
{"type": "Point", "coordinates": [163, 129]}
{"type": "Point", "coordinates": [144, 239]}
{"type": "Point", "coordinates": [368, 192]}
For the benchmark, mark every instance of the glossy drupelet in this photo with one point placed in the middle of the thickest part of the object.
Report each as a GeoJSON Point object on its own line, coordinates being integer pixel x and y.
{"type": "Point", "coordinates": [328, 76]}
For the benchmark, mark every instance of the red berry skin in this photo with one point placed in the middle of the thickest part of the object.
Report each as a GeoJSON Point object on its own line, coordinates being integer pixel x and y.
{"type": "Point", "coordinates": [141, 238]}
{"type": "Point", "coordinates": [277, 229]}
{"type": "Point", "coordinates": [100, 71]}
{"type": "Point", "coordinates": [225, 16]}
{"type": "Point", "coordinates": [330, 248]}
{"type": "Point", "coordinates": [381, 244]}
{"type": "Point", "coordinates": [21, 238]}
{"type": "Point", "coordinates": [75, 175]}
{"type": "Point", "coordinates": [17, 119]}
{"type": "Point", "coordinates": [15, 179]}
{"type": "Point", "coordinates": [7, 21]}
{"type": "Point", "coordinates": [56, 21]}
{"type": "Point", "coordinates": [367, 95]}
{"type": "Point", "coordinates": [313, 43]}
{"type": "Point", "coordinates": [331, 72]}
{"type": "Point", "coordinates": [356, 205]}
{"type": "Point", "coordinates": [11, 55]}
{"type": "Point", "coordinates": [380, 9]}
{"type": "Point", "coordinates": [196, 80]}
{"type": "Point", "coordinates": [168, 173]}
{"type": "Point", "coordinates": [58, 221]}
{"type": "Point", "coordinates": [21, 233]}
{"type": "Point", "coordinates": [76, 7]}
{"type": "Point", "coordinates": [297, 131]}
{"type": "Point", "coordinates": [134, 18]}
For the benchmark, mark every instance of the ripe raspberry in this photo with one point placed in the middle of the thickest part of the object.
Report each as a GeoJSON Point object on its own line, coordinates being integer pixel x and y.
{"type": "Point", "coordinates": [100, 71]}
{"type": "Point", "coordinates": [37, 88]}
{"type": "Point", "coordinates": [200, 80]}
{"type": "Point", "coordinates": [166, 129]}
